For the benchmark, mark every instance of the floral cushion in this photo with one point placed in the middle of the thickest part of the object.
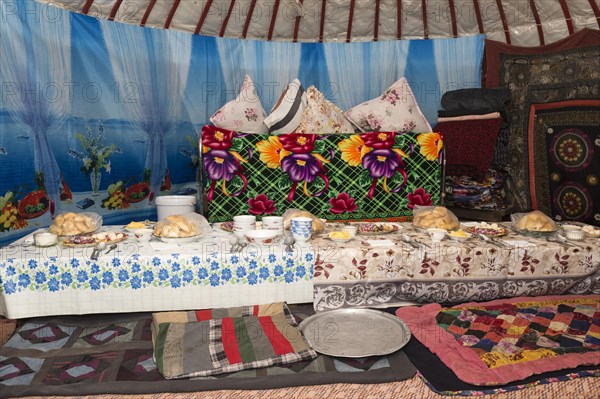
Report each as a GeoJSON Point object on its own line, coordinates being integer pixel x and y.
{"type": "Point", "coordinates": [245, 113]}
{"type": "Point", "coordinates": [321, 116]}
{"type": "Point", "coordinates": [287, 112]}
{"type": "Point", "coordinates": [396, 110]}
{"type": "Point", "coordinates": [374, 175]}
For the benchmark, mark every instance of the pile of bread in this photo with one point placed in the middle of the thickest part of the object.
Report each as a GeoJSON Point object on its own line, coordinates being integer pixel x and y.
{"type": "Point", "coordinates": [176, 226]}
{"type": "Point", "coordinates": [435, 218]}
{"type": "Point", "coordinates": [535, 221]}
{"type": "Point", "coordinates": [70, 224]}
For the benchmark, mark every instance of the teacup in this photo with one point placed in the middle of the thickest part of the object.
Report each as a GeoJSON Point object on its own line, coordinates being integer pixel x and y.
{"type": "Point", "coordinates": [272, 223]}
{"type": "Point", "coordinates": [350, 229]}
{"type": "Point", "coordinates": [301, 228]}
{"type": "Point", "coordinates": [244, 219]}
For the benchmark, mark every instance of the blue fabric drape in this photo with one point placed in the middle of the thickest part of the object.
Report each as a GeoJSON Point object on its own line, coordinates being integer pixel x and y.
{"type": "Point", "coordinates": [35, 71]}
{"type": "Point", "coordinates": [157, 64]}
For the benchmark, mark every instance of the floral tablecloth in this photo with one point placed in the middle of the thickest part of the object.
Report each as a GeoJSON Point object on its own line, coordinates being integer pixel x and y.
{"type": "Point", "coordinates": [152, 276]}
{"type": "Point", "coordinates": [384, 270]}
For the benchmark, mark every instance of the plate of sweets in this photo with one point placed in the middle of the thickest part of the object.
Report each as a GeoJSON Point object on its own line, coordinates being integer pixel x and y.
{"type": "Point", "coordinates": [487, 229]}
{"type": "Point", "coordinates": [89, 240]}
{"type": "Point", "coordinates": [227, 226]}
{"type": "Point", "coordinates": [377, 228]}
{"type": "Point", "coordinates": [459, 235]}
{"type": "Point", "coordinates": [133, 226]}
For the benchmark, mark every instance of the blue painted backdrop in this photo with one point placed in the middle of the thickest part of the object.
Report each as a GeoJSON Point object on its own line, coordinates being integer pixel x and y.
{"type": "Point", "coordinates": [86, 101]}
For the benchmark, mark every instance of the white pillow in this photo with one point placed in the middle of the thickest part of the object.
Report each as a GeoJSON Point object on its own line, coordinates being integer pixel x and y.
{"type": "Point", "coordinates": [287, 112]}
{"type": "Point", "coordinates": [396, 110]}
{"type": "Point", "coordinates": [322, 116]}
{"type": "Point", "coordinates": [244, 114]}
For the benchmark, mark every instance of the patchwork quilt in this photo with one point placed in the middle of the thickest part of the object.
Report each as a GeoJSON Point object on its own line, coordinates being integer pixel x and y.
{"type": "Point", "coordinates": [505, 340]}
{"type": "Point", "coordinates": [375, 175]}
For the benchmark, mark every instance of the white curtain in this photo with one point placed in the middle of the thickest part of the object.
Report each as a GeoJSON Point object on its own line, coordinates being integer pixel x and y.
{"type": "Point", "coordinates": [458, 62]}
{"type": "Point", "coordinates": [271, 65]}
{"type": "Point", "coordinates": [361, 71]}
{"type": "Point", "coordinates": [35, 70]}
{"type": "Point", "coordinates": [155, 64]}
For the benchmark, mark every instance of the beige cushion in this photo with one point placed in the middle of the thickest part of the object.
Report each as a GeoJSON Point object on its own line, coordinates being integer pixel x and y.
{"type": "Point", "coordinates": [396, 110]}
{"type": "Point", "coordinates": [244, 114]}
{"type": "Point", "coordinates": [321, 116]}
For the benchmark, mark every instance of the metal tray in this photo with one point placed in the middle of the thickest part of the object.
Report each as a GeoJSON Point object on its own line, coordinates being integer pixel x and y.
{"type": "Point", "coordinates": [355, 332]}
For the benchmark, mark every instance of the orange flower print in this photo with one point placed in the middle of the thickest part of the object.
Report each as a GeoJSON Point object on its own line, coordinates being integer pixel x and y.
{"type": "Point", "coordinates": [272, 152]}
{"type": "Point", "coordinates": [353, 150]}
{"type": "Point", "coordinates": [431, 145]}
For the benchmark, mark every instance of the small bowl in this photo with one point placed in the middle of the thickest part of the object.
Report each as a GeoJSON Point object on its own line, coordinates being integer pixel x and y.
{"type": "Point", "coordinates": [573, 232]}
{"type": "Point", "coordinates": [437, 235]}
{"type": "Point", "coordinates": [45, 239]}
{"type": "Point", "coordinates": [143, 235]}
{"type": "Point", "coordinates": [264, 237]}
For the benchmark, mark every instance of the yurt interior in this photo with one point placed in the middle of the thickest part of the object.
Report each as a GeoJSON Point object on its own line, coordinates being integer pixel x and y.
{"type": "Point", "coordinates": [300, 199]}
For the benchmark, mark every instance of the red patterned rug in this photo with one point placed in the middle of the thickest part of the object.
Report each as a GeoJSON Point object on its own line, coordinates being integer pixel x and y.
{"type": "Point", "coordinates": [494, 343]}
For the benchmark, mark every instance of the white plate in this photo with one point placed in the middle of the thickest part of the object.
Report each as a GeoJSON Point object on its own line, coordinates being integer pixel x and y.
{"type": "Point", "coordinates": [178, 240]}
{"type": "Point", "coordinates": [455, 238]}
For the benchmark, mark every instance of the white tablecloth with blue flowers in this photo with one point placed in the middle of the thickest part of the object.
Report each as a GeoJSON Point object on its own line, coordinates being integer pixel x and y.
{"type": "Point", "coordinates": [152, 276]}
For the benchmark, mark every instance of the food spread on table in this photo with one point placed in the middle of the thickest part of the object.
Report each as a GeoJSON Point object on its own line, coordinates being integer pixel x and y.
{"type": "Point", "coordinates": [70, 224]}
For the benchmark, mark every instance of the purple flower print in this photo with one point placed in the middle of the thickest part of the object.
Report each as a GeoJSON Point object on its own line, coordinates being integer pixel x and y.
{"type": "Point", "coordinates": [219, 165]}
{"type": "Point", "coordinates": [380, 163]}
{"type": "Point", "coordinates": [300, 167]}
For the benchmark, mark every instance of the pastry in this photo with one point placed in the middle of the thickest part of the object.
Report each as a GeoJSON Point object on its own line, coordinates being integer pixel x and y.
{"type": "Point", "coordinates": [536, 221]}
{"type": "Point", "coordinates": [70, 224]}
{"type": "Point", "coordinates": [176, 226]}
{"type": "Point", "coordinates": [438, 217]}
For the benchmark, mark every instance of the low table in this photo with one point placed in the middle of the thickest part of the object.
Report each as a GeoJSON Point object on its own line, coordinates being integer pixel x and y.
{"type": "Point", "coordinates": [386, 271]}
{"type": "Point", "coordinates": [153, 276]}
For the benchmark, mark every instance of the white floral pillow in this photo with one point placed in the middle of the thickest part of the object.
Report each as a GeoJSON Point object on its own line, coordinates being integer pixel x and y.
{"type": "Point", "coordinates": [396, 110]}
{"type": "Point", "coordinates": [321, 116]}
{"type": "Point", "coordinates": [244, 114]}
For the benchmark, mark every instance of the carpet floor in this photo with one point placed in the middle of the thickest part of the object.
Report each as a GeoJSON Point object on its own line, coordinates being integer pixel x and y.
{"type": "Point", "coordinates": [414, 388]}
